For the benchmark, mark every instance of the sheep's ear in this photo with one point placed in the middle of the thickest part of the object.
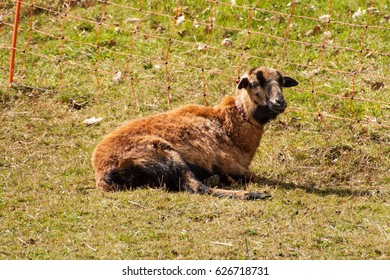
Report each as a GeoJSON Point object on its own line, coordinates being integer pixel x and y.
{"type": "Point", "coordinates": [243, 83]}
{"type": "Point", "coordinates": [289, 82]}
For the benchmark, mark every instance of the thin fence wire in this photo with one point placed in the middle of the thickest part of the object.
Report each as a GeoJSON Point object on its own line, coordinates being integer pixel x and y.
{"type": "Point", "coordinates": [365, 76]}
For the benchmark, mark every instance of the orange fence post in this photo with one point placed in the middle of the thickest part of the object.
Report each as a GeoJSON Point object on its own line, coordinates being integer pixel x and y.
{"type": "Point", "coordinates": [13, 49]}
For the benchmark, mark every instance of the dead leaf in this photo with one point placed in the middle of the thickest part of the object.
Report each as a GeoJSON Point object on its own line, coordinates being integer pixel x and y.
{"type": "Point", "coordinates": [370, 119]}
{"type": "Point", "coordinates": [180, 20]}
{"type": "Point", "coordinates": [130, 19]}
{"type": "Point", "coordinates": [317, 29]}
{"type": "Point", "coordinates": [117, 77]}
{"type": "Point", "coordinates": [328, 37]}
{"type": "Point", "coordinates": [328, 34]}
{"type": "Point", "coordinates": [377, 85]}
{"type": "Point", "coordinates": [373, 10]}
{"type": "Point", "coordinates": [324, 18]}
{"type": "Point", "coordinates": [77, 106]}
{"type": "Point", "coordinates": [92, 121]}
{"type": "Point", "coordinates": [369, 54]}
{"type": "Point", "coordinates": [160, 28]}
{"type": "Point", "coordinates": [196, 23]}
{"type": "Point", "coordinates": [295, 2]}
{"type": "Point", "coordinates": [358, 13]}
{"type": "Point", "coordinates": [30, 241]}
{"type": "Point", "coordinates": [200, 46]}
{"type": "Point", "coordinates": [227, 42]}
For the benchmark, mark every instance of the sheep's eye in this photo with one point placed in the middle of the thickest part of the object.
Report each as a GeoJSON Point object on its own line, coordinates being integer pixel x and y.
{"type": "Point", "coordinates": [254, 85]}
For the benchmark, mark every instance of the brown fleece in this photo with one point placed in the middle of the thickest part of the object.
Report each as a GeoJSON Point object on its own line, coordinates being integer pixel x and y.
{"type": "Point", "coordinates": [182, 148]}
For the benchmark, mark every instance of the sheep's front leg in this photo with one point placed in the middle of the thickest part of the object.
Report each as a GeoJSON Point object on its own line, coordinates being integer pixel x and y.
{"type": "Point", "coordinates": [193, 185]}
{"type": "Point", "coordinates": [246, 177]}
{"type": "Point", "coordinates": [235, 172]}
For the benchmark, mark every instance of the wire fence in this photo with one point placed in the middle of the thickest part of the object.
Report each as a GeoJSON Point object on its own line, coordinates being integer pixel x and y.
{"type": "Point", "coordinates": [338, 51]}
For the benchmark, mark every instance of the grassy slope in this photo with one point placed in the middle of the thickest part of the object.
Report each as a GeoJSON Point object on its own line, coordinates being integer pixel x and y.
{"type": "Point", "coordinates": [330, 183]}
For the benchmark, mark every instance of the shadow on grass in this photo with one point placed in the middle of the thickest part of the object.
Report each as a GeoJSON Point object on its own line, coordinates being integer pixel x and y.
{"type": "Point", "coordinates": [312, 188]}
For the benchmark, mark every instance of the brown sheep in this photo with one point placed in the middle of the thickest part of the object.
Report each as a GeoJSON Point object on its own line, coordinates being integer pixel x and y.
{"type": "Point", "coordinates": [194, 146]}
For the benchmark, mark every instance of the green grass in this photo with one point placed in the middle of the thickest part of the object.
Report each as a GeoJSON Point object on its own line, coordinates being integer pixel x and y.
{"type": "Point", "coordinates": [329, 179]}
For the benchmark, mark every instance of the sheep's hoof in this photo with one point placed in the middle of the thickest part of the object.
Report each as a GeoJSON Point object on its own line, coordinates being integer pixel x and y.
{"type": "Point", "coordinates": [256, 195]}
{"type": "Point", "coordinates": [256, 179]}
{"type": "Point", "coordinates": [212, 181]}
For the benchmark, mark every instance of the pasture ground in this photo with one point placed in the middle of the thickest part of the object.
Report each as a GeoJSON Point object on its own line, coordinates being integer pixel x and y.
{"type": "Point", "coordinates": [329, 180]}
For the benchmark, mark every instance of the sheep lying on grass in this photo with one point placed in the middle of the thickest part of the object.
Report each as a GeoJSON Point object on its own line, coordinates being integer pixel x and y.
{"type": "Point", "coordinates": [194, 146]}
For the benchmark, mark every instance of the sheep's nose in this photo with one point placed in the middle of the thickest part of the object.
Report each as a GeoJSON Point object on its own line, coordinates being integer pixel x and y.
{"type": "Point", "coordinates": [278, 103]}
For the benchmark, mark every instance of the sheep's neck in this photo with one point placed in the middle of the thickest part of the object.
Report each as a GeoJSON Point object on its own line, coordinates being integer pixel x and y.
{"type": "Point", "coordinates": [246, 135]}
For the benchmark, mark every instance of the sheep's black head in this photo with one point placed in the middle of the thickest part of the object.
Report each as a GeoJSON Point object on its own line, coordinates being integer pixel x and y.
{"type": "Point", "coordinates": [264, 87]}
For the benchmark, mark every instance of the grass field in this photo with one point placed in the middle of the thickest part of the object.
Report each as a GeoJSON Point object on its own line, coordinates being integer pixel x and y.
{"type": "Point", "coordinates": [329, 179]}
